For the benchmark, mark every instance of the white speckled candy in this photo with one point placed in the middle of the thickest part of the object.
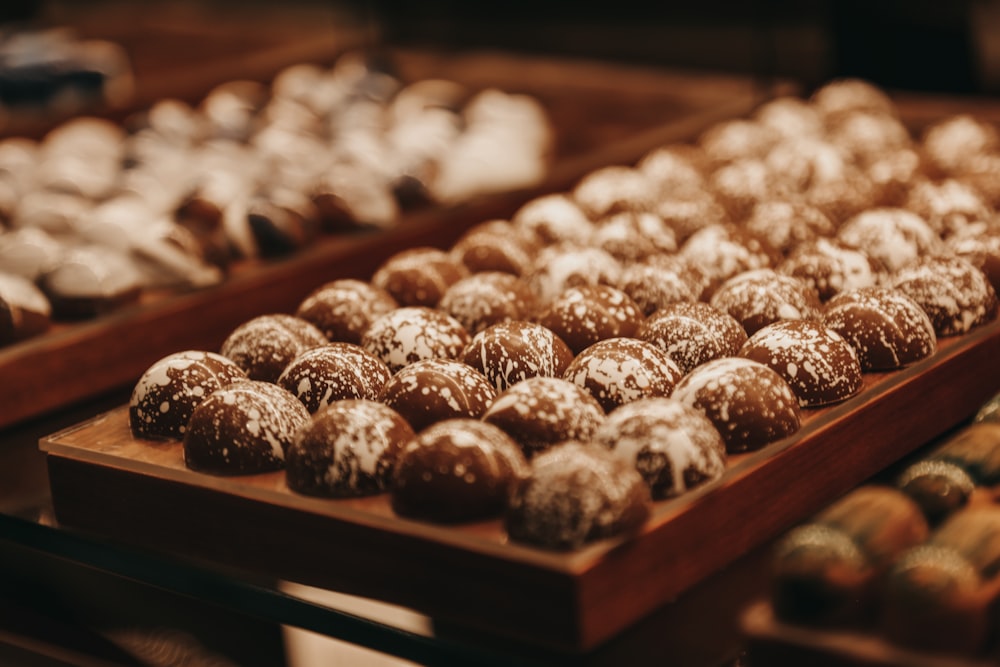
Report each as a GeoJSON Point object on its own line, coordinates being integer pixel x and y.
{"type": "Point", "coordinates": [954, 293]}
{"type": "Point", "coordinates": [621, 370]}
{"type": "Point", "coordinates": [583, 315]}
{"type": "Point", "coordinates": [693, 332]}
{"type": "Point", "coordinates": [893, 237]}
{"type": "Point", "coordinates": [723, 250]}
{"type": "Point", "coordinates": [265, 345]}
{"type": "Point", "coordinates": [830, 267]}
{"type": "Point", "coordinates": [486, 298]}
{"type": "Point", "coordinates": [334, 372]}
{"type": "Point", "coordinates": [885, 327]}
{"type": "Point", "coordinates": [418, 276]}
{"type": "Point", "coordinates": [762, 296]}
{"type": "Point", "coordinates": [509, 352]}
{"type": "Point", "coordinates": [243, 428]}
{"type": "Point", "coordinates": [553, 218]}
{"type": "Point", "coordinates": [169, 390]}
{"type": "Point", "coordinates": [673, 445]}
{"type": "Point", "coordinates": [576, 492]}
{"type": "Point", "coordinates": [406, 335]}
{"type": "Point", "coordinates": [749, 403]}
{"type": "Point", "coordinates": [456, 470]}
{"type": "Point", "coordinates": [348, 448]}
{"type": "Point", "coordinates": [560, 267]}
{"type": "Point", "coordinates": [613, 189]}
{"type": "Point", "coordinates": [343, 309]}
{"type": "Point", "coordinates": [816, 362]}
{"type": "Point", "coordinates": [432, 390]}
{"type": "Point", "coordinates": [541, 411]}
{"type": "Point", "coordinates": [654, 286]}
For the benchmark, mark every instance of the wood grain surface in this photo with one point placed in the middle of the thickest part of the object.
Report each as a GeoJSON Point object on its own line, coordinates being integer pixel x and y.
{"type": "Point", "coordinates": [104, 480]}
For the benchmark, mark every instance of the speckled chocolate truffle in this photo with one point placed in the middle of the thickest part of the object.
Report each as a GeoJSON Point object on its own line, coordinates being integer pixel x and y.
{"type": "Point", "coordinates": [885, 327]}
{"type": "Point", "coordinates": [980, 246]}
{"type": "Point", "coordinates": [949, 206]}
{"type": "Point", "coordinates": [496, 245]}
{"type": "Point", "coordinates": [169, 390]}
{"type": "Point", "coordinates": [739, 186]}
{"type": "Point", "coordinates": [749, 403]}
{"type": "Point", "coordinates": [737, 139]}
{"type": "Point", "coordinates": [674, 446]}
{"type": "Point", "coordinates": [348, 448]}
{"type": "Point", "coordinates": [541, 411]}
{"type": "Point", "coordinates": [830, 267]}
{"type": "Point", "coordinates": [816, 362]}
{"type": "Point", "coordinates": [432, 390]}
{"type": "Point", "coordinates": [953, 142]}
{"type": "Point", "coordinates": [575, 493]}
{"type": "Point", "coordinates": [24, 309]}
{"type": "Point", "coordinates": [722, 251]}
{"type": "Point", "coordinates": [343, 309]}
{"type": "Point", "coordinates": [656, 285]}
{"type": "Point", "coordinates": [894, 237]}
{"type": "Point", "coordinates": [418, 276]}
{"type": "Point", "coordinates": [954, 294]}
{"type": "Point", "coordinates": [634, 236]}
{"type": "Point", "coordinates": [559, 267]}
{"type": "Point", "coordinates": [693, 332]}
{"type": "Point", "coordinates": [850, 94]}
{"type": "Point", "coordinates": [486, 298]}
{"type": "Point", "coordinates": [266, 344]}
{"type": "Point", "coordinates": [621, 370]}
{"type": "Point", "coordinates": [867, 135]}
{"type": "Point", "coordinates": [456, 470]}
{"type": "Point", "coordinates": [691, 213]}
{"type": "Point", "coordinates": [553, 219]}
{"type": "Point", "coordinates": [673, 170]}
{"type": "Point", "coordinates": [581, 316]}
{"type": "Point", "coordinates": [334, 372]}
{"type": "Point", "coordinates": [243, 428]}
{"type": "Point", "coordinates": [762, 296]}
{"type": "Point", "coordinates": [509, 352]}
{"type": "Point", "coordinates": [409, 334]}
{"type": "Point", "coordinates": [613, 189]}
{"type": "Point", "coordinates": [785, 224]}
{"type": "Point", "coordinates": [791, 117]}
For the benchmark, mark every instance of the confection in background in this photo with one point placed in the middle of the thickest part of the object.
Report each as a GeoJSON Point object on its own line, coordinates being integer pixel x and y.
{"type": "Point", "coordinates": [594, 85]}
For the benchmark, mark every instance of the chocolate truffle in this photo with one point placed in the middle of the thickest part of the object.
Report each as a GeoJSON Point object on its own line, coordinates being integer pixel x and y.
{"type": "Point", "coordinates": [583, 315]}
{"type": "Point", "coordinates": [830, 267]}
{"type": "Point", "coordinates": [418, 276]}
{"type": "Point", "coordinates": [266, 344]}
{"type": "Point", "coordinates": [553, 219]}
{"type": "Point", "coordinates": [693, 332]}
{"type": "Point", "coordinates": [509, 352]}
{"type": "Point", "coordinates": [412, 333]}
{"type": "Point", "coordinates": [750, 404]}
{"type": "Point", "coordinates": [614, 189]}
{"type": "Point", "coordinates": [334, 372]}
{"type": "Point", "coordinates": [343, 309]}
{"type": "Point", "coordinates": [954, 294]}
{"type": "Point", "coordinates": [349, 448]}
{"type": "Point", "coordinates": [894, 237]}
{"type": "Point", "coordinates": [560, 267]}
{"type": "Point", "coordinates": [432, 390]}
{"type": "Point", "coordinates": [816, 362]}
{"type": "Point", "coordinates": [496, 245]}
{"type": "Point", "coordinates": [722, 251]}
{"type": "Point", "coordinates": [243, 428]}
{"type": "Point", "coordinates": [885, 327]}
{"type": "Point", "coordinates": [762, 296]}
{"type": "Point", "coordinates": [575, 493]}
{"type": "Point", "coordinates": [674, 446]}
{"type": "Point", "coordinates": [541, 411]}
{"type": "Point", "coordinates": [621, 370]}
{"type": "Point", "coordinates": [91, 280]}
{"type": "Point", "coordinates": [785, 224]}
{"type": "Point", "coordinates": [633, 236]}
{"type": "Point", "coordinates": [486, 298]}
{"type": "Point", "coordinates": [169, 390]}
{"type": "Point", "coordinates": [456, 470]}
{"type": "Point", "coordinates": [655, 285]}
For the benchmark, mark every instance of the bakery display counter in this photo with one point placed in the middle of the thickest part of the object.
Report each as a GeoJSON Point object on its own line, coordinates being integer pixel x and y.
{"type": "Point", "coordinates": [601, 114]}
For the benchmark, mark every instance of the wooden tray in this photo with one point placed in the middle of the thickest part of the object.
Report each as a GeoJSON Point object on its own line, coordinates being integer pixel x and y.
{"type": "Point", "coordinates": [773, 642]}
{"type": "Point", "coordinates": [105, 481]}
{"type": "Point", "coordinates": [603, 114]}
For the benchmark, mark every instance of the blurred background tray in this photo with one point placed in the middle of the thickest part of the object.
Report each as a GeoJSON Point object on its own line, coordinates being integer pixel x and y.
{"type": "Point", "coordinates": [471, 574]}
{"type": "Point", "coordinates": [602, 113]}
